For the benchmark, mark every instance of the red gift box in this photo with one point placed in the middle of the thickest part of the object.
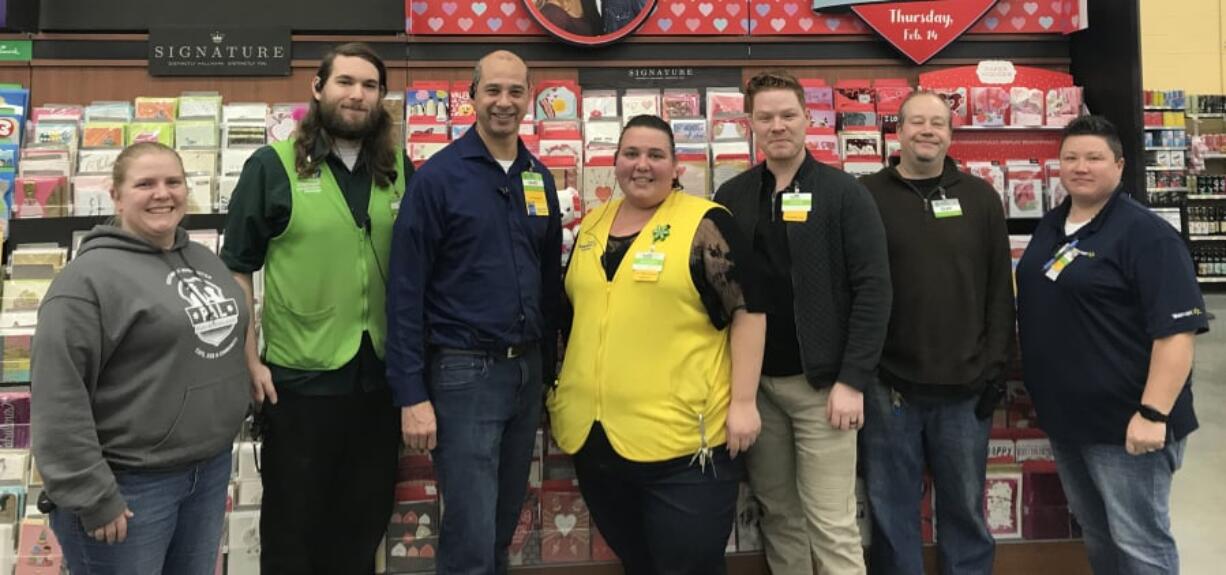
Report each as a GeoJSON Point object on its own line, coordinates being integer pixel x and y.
{"type": "Point", "coordinates": [565, 523]}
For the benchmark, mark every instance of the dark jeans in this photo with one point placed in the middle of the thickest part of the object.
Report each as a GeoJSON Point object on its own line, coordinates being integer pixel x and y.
{"type": "Point", "coordinates": [175, 527]}
{"type": "Point", "coordinates": [660, 518]}
{"type": "Point", "coordinates": [488, 410]}
{"type": "Point", "coordinates": [328, 465]}
{"type": "Point", "coordinates": [953, 441]}
{"type": "Point", "coordinates": [1122, 503]}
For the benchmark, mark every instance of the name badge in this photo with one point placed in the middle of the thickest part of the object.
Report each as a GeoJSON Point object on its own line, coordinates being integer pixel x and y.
{"type": "Point", "coordinates": [395, 206]}
{"type": "Point", "coordinates": [950, 208]}
{"type": "Point", "coordinates": [534, 194]}
{"type": "Point", "coordinates": [310, 186]}
{"type": "Point", "coordinates": [796, 206]}
{"type": "Point", "coordinates": [1064, 256]}
{"type": "Point", "coordinates": [648, 266]}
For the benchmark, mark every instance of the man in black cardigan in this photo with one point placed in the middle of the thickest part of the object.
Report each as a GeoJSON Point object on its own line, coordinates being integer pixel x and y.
{"type": "Point", "coordinates": [821, 248]}
{"type": "Point", "coordinates": [951, 331]}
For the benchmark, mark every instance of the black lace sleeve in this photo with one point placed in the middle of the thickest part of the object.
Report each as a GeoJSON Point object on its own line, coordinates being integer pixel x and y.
{"type": "Point", "coordinates": [721, 262]}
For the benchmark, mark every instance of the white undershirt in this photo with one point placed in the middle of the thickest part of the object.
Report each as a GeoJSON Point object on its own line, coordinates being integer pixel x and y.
{"type": "Point", "coordinates": [1070, 228]}
{"type": "Point", "coordinates": [347, 154]}
{"type": "Point", "coordinates": [506, 165]}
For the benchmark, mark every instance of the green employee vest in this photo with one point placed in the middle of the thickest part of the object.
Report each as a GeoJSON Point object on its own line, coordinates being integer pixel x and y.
{"type": "Point", "coordinates": [324, 278]}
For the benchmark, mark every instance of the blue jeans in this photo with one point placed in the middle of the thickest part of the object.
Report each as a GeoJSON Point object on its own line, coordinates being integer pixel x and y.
{"type": "Point", "coordinates": [175, 528]}
{"type": "Point", "coordinates": [898, 438]}
{"type": "Point", "coordinates": [488, 410]}
{"type": "Point", "coordinates": [1122, 502]}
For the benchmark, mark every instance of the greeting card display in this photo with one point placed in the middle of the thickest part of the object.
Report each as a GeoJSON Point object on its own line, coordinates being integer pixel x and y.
{"type": "Point", "coordinates": [693, 173]}
{"type": "Point", "coordinates": [243, 543]}
{"type": "Point", "coordinates": [989, 106]}
{"type": "Point", "coordinates": [599, 104]}
{"type": "Point", "coordinates": [1026, 106]}
{"type": "Point", "coordinates": [38, 551]}
{"type": "Point", "coordinates": [412, 534]}
{"type": "Point", "coordinates": [854, 96]}
{"type": "Point", "coordinates": [557, 100]}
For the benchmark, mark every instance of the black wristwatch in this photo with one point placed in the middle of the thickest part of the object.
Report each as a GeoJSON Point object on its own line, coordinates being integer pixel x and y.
{"type": "Point", "coordinates": [1152, 414]}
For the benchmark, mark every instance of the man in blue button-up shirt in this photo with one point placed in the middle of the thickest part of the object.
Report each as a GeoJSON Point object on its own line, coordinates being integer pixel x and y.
{"type": "Point", "coordinates": [473, 288]}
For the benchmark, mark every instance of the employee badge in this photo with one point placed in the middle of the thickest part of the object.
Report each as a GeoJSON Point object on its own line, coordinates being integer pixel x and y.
{"type": "Point", "coordinates": [1064, 256]}
{"type": "Point", "coordinates": [534, 194]}
{"type": "Point", "coordinates": [946, 208]}
{"type": "Point", "coordinates": [796, 206]}
{"type": "Point", "coordinates": [648, 266]}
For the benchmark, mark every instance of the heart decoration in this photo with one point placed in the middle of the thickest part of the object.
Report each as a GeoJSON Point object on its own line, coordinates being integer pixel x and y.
{"type": "Point", "coordinates": [478, 8]}
{"type": "Point", "coordinates": [678, 9]}
{"type": "Point", "coordinates": [423, 532]}
{"type": "Point", "coordinates": [507, 8]}
{"type": "Point", "coordinates": [399, 550]}
{"type": "Point", "coordinates": [566, 522]}
{"type": "Point", "coordinates": [427, 551]}
{"type": "Point", "coordinates": [922, 29]}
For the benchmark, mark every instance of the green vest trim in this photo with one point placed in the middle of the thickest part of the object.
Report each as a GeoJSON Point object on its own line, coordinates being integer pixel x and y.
{"type": "Point", "coordinates": [324, 278]}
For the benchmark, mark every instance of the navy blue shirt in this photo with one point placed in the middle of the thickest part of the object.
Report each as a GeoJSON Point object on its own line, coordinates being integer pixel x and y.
{"type": "Point", "coordinates": [1087, 337]}
{"type": "Point", "coordinates": [469, 268]}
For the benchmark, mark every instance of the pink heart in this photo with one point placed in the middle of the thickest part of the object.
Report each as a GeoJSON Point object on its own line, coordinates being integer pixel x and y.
{"type": "Point", "coordinates": [1046, 22]}
{"type": "Point", "coordinates": [692, 24]}
{"type": "Point", "coordinates": [805, 23]}
{"type": "Point", "coordinates": [733, 8]}
{"type": "Point", "coordinates": [1075, 20]}
{"type": "Point", "coordinates": [1057, 7]}
{"type": "Point", "coordinates": [465, 23]}
{"type": "Point", "coordinates": [678, 9]}
{"type": "Point", "coordinates": [705, 8]}
{"type": "Point", "coordinates": [1018, 22]}
{"type": "Point", "coordinates": [507, 8]}
{"type": "Point", "coordinates": [449, 8]}
{"type": "Point", "coordinates": [778, 24]}
{"type": "Point", "coordinates": [523, 24]}
{"type": "Point", "coordinates": [435, 23]}
{"type": "Point", "coordinates": [1003, 7]}
{"type": "Point", "coordinates": [790, 9]}
{"type": "Point", "coordinates": [833, 23]}
{"type": "Point", "coordinates": [1031, 7]}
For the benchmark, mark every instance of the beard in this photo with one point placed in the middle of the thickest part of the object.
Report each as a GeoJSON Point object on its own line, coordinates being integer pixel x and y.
{"type": "Point", "coordinates": [334, 122]}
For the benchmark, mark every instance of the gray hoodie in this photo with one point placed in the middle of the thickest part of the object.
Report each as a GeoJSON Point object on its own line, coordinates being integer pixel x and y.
{"type": "Point", "coordinates": [137, 364]}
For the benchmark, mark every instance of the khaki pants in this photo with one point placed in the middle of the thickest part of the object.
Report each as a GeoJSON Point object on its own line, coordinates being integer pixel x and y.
{"type": "Point", "coordinates": [803, 473]}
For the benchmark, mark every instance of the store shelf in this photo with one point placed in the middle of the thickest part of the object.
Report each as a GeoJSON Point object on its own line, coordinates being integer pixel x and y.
{"type": "Point", "coordinates": [1163, 169]}
{"type": "Point", "coordinates": [1165, 148]}
{"type": "Point", "coordinates": [1165, 128]}
{"type": "Point", "coordinates": [1213, 156]}
{"type": "Point", "coordinates": [1218, 238]}
{"type": "Point", "coordinates": [1008, 128]}
{"type": "Point", "coordinates": [1162, 210]}
{"type": "Point", "coordinates": [1205, 197]}
{"type": "Point", "coordinates": [1167, 190]}
{"type": "Point", "coordinates": [1211, 279]}
{"type": "Point", "coordinates": [1162, 109]}
{"type": "Point", "coordinates": [1209, 115]}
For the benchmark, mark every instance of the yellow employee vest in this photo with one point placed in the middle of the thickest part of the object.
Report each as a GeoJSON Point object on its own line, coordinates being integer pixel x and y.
{"type": "Point", "coordinates": [643, 357]}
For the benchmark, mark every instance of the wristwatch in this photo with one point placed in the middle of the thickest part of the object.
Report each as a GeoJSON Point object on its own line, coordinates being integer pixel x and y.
{"type": "Point", "coordinates": [1152, 414]}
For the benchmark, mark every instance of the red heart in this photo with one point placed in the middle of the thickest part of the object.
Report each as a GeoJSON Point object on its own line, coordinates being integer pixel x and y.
{"type": "Point", "coordinates": [427, 551]}
{"type": "Point", "coordinates": [904, 24]}
{"type": "Point", "coordinates": [603, 193]}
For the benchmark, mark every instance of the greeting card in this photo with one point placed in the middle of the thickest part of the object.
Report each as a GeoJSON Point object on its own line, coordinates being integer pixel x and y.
{"type": "Point", "coordinates": [1063, 105]}
{"type": "Point", "coordinates": [199, 161]}
{"type": "Point", "coordinates": [724, 101]}
{"type": "Point", "coordinates": [728, 166]}
{"type": "Point", "coordinates": [993, 174]}
{"type": "Point", "coordinates": [640, 103]}
{"type": "Point", "coordinates": [1026, 106]}
{"type": "Point", "coordinates": [890, 94]}
{"type": "Point", "coordinates": [200, 194]}
{"type": "Point", "coordinates": [817, 93]}
{"type": "Point", "coordinates": [204, 105]}
{"type": "Point", "coordinates": [461, 104]}
{"type": "Point", "coordinates": [38, 551]}
{"type": "Point", "coordinates": [1002, 503]}
{"type": "Point", "coordinates": [678, 103]}
{"type": "Point", "coordinates": [860, 144]}
{"type": "Point", "coordinates": [243, 543]}
{"type": "Point", "coordinates": [40, 197]}
{"type": "Point", "coordinates": [245, 133]}
{"type": "Point", "coordinates": [565, 527]}
{"type": "Point", "coordinates": [14, 466]}
{"type": "Point", "coordinates": [162, 132]}
{"type": "Point", "coordinates": [1055, 187]}
{"type": "Point", "coordinates": [989, 106]}
{"type": "Point", "coordinates": [748, 520]}
{"type": "Point", "coordinates": [694, 174]}
{"type": "Point", "coordinates": [254, 112]}
{"type": "Point", "coordinates": [525, 548]}
{"type": "Point", "coordinates": [427, 99]}
{"type": "Point", "coordinates": [599, 183]}
{"type": "Point", "coordinates": [854, 96]}
{"type": "Point", "coordinates": [689, 130]}
{"type": "Point", "coordinates": [156, 109]}
{"type": "Point", "coordinates": [15, 436]}
{"type": "Point", "coordinates": [102, 135]}
{"type": "Point", "coordinates": [730, 127]}
{"type": "Point", "coordinates": [100, 161]}
{"type": "Point", "coordinates": [820, 117]}
{"type": "Point", "coordinates": [196, 134]}
{"type": "Point", "coordinates": [557, 100]}
{"type": "Point", "coordinates": [599, 104]}
{"type": "Point", "coordinates": [233, 159]}
{"type": "Point", "coordinates": [283, 120]}
{"type": "Point", "coordinates": [15, 367]}
{"type": "Point", "coordinates": [1025, 182]}
{"type": "Point", "coordinates": [109, 111]}
{"type": "Point", "coordinates": [12, 503]}
{"type": "Point", "coordinates": [225, 189]}
{"type": "Point", "coordinates": [56, 132]}
{"type": "Point", "coordinates": [91, 195]}
{"type": "Point", "coordinates": [959, 103]}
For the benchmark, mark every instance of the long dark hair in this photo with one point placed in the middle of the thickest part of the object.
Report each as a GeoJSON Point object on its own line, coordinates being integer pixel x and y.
{"type": "Point", "coordinates": [380, 146]}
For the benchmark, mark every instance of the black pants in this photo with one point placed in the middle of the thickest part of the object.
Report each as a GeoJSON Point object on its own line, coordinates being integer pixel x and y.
{"type": "Point", "coordinates": [328, 465]}
{"type": "Point", "coordinates": [661, 518]}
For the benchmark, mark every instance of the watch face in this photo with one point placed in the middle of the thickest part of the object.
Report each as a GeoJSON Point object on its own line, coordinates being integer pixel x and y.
{"type": "Point", "coordinates": [590, 22]}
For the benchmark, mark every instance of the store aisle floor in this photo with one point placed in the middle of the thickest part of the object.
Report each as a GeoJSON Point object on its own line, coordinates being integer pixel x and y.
{"type": "Point", "coordinates": [1198, 501]}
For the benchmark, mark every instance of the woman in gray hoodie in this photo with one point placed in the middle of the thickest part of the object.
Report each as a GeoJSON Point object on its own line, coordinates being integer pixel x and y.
{"type": "Point", "coordinates": [139, 384]}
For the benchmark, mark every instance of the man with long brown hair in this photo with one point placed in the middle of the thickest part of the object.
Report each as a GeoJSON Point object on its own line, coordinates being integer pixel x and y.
{"type": "Point", "coordinates": [316, 212]}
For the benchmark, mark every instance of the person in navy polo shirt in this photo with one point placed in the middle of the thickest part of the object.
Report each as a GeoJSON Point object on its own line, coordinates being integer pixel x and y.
{"type": "Point", "coordinates": [1108, 310]}
{"type": "Point", "coordinates": [474, 285]}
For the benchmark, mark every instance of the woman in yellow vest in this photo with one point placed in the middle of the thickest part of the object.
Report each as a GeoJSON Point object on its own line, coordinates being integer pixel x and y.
{"type": "Point", "coordinates": [656, 394]}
